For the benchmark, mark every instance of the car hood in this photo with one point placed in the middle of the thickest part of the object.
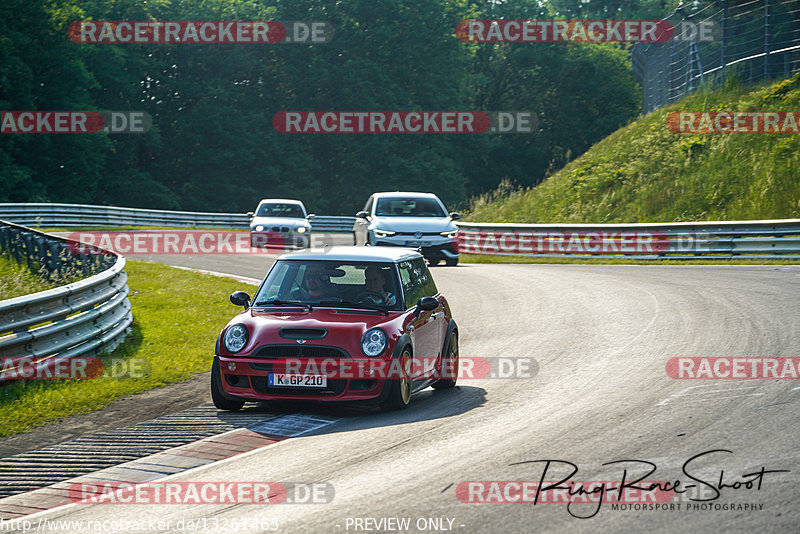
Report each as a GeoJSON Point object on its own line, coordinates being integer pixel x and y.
{"type": "Point", "coordinates": [413, 224]}
{"type": "Point", "coordinates": [344, 329]}
{"type": "Point", "coordinates": [274, 318]}
{"type": "Point", "coordinates": [278, 221]}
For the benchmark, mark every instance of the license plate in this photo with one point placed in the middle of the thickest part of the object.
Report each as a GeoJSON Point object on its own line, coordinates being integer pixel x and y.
{"type": "Point", "coordinates": [416, 243]}
{"type": "Point", "coordinates": [297, 381]}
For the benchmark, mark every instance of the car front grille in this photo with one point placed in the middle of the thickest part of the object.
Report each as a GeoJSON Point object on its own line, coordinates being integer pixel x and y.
{"type": "Point", "coordinates": [299, 351]}
{"type": "Point", "coordinates": [303, 333]}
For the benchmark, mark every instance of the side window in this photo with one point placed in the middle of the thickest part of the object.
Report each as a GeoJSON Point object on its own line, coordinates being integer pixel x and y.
{"type": "Point", "coordinates": [417, 281]}
{"type": "Point", "coordinates": [410, 286]}
{"type": "Point", "coordinates": [425, 278]}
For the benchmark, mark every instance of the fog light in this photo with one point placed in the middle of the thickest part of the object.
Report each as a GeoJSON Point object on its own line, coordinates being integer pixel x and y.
{"type": "Point", "coordinates": [231, 366]}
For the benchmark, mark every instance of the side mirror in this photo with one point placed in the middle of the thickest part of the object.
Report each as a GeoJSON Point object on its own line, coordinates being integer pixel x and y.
{"type": "Point", "coordinates": [426, 304]}
{"type": "Point", "coordinates": [250, 214]}
{"type": "Point", "coordinates": [240, 298]}
{"type": "Point", "coordinates": [362, 215]}
{"type": "Point", "coordinates": [311, 215]}
{"type": "Point", "coordinates": [455, 215]}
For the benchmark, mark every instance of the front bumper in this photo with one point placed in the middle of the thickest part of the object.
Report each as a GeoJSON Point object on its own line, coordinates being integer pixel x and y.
{"type": "Point", "coordinates": [249, 381]}
{"type": "Point", "coordinates": [279, 240]}
{"type": "Point", "coordinates": [433, 247]}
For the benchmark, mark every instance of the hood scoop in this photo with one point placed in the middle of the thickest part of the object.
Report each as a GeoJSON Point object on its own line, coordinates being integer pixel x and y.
{"type": "Point", "coordinates": [303, 333]}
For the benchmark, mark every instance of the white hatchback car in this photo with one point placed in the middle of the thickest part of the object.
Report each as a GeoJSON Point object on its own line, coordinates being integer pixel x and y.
{"type": "Point", "coordinates": [404, 219]}
{"type": "Point", "coordinates": [280, 221]}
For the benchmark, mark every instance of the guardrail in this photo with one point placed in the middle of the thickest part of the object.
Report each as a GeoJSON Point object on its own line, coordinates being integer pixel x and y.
{"type": "Point", "coordinates": [85, 318]}
{"type": "Point", "coordinates": [715, 240]}
{"type": "Point", "coordinates": [775, 239]}
{"type": "Point", "coordinates": [329, 223]}
{"type": "Point", "coordinates": [46, 214]}
{"type": "Point", "coordinates": [77, 215]}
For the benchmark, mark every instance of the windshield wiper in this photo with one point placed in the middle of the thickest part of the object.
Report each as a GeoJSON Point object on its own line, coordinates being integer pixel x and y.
{"type": "Point", "coordinates": [277, 302]}
{"type": "Point", "coordinates": [351, 304]}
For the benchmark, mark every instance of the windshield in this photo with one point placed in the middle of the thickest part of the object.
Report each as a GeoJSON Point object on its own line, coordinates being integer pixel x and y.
{"type": "Point", "coordinates": [409, 207]}
{"type": "Point", "coordinates": [331, 283]}
{"type": "Point", "coordinates": [280, 210]}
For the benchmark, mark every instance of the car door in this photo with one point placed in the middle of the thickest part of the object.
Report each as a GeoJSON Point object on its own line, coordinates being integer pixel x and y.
{"type": "Point", "coordinates": [424, 328]}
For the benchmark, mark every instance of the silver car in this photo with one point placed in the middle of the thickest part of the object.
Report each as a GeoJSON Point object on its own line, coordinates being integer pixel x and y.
{"type": "Point", "coordinates": [280, 222]}
{"type": "Point", "coordinates": [403, 219]}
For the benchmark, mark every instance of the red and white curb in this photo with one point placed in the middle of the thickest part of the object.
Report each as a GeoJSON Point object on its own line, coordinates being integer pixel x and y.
{"type": "Point", "coordinates": [169, 462]}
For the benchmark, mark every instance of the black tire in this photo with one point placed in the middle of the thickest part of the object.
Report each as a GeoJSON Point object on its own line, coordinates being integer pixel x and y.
{"type": "Point", "coordinates": [432, 262]}
{"type": "Point", "coordinates": [399, 396]}
{"type": "Point", "coordinates": [450, 354]}
{"type": "Point", "coordinates": [221, 402]}
{"type": "Point", "coordinates": [451, 263]}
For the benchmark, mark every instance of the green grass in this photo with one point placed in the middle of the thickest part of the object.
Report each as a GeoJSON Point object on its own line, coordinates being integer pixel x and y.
{"type": "Point", "coordinates": [645, 173]}
{"type": "Point", "coordinates": [17, 280]}
{"type": "Point", "coordinates": [177, 316]}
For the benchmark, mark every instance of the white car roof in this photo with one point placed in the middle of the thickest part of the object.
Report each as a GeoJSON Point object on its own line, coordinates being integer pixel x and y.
{"type": "Point", "coordinates": [352, 253]}
{"type": "Point", "coordinates": [405, 194]}
{"type": "Point", "coordinates": [280, 201]}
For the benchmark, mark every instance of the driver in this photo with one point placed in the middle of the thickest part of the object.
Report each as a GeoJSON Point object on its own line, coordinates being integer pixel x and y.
{"type": "Point", "coordinates": [314, 285]}
{"type": "Point", "coordinates": [375, 281]}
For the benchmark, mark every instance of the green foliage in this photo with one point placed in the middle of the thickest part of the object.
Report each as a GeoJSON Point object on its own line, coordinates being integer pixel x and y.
{"type": "Point", "coordinates": [213, 146]}
{"type": "Point", "coordinates": [646, 173]}
{"type": "Point", "coordinates": [613, 9]}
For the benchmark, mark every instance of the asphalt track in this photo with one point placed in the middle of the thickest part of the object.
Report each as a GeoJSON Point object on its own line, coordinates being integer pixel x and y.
{"type": "Point", "coordinates": [601, 336]}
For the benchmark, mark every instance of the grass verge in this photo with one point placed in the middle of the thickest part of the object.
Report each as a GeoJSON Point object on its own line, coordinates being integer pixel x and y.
{"type": "Point", "coordinates": [177, 316]}
{"type": "Point", "coordinates": [646, 173]}
{"type": "Point", "coordinates": [17, 280]}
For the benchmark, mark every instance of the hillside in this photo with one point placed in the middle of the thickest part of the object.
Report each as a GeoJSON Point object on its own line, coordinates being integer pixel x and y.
{"type": "Point", "coordinates": [646, 173]}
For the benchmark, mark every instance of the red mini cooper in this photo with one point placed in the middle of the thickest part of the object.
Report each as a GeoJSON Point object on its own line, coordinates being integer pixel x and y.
{"type": "Point", "coordinates": [341, 324]}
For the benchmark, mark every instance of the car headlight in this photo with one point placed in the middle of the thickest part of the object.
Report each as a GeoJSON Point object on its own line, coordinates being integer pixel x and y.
{"type": "Point", "coordinates": [374, 342]}
{"type": "Point", "coordinates": [383, 233]}
{"type": "Point", "coordinates": [236, 338]}
{"type": "Point", "coordinates": [259, 228]}
{"type": "Point", "coordinates": [301, 229]}
{"type": "Point", "coordinates": [450, 233]}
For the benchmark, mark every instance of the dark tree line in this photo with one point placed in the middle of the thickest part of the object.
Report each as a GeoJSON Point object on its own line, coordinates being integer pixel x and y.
{"type": "Point", "coordinates": [212, 145]}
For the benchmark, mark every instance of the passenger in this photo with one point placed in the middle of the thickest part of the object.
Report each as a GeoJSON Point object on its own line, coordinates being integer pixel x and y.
{"type": "Point", "coordinates": [376, 282]}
